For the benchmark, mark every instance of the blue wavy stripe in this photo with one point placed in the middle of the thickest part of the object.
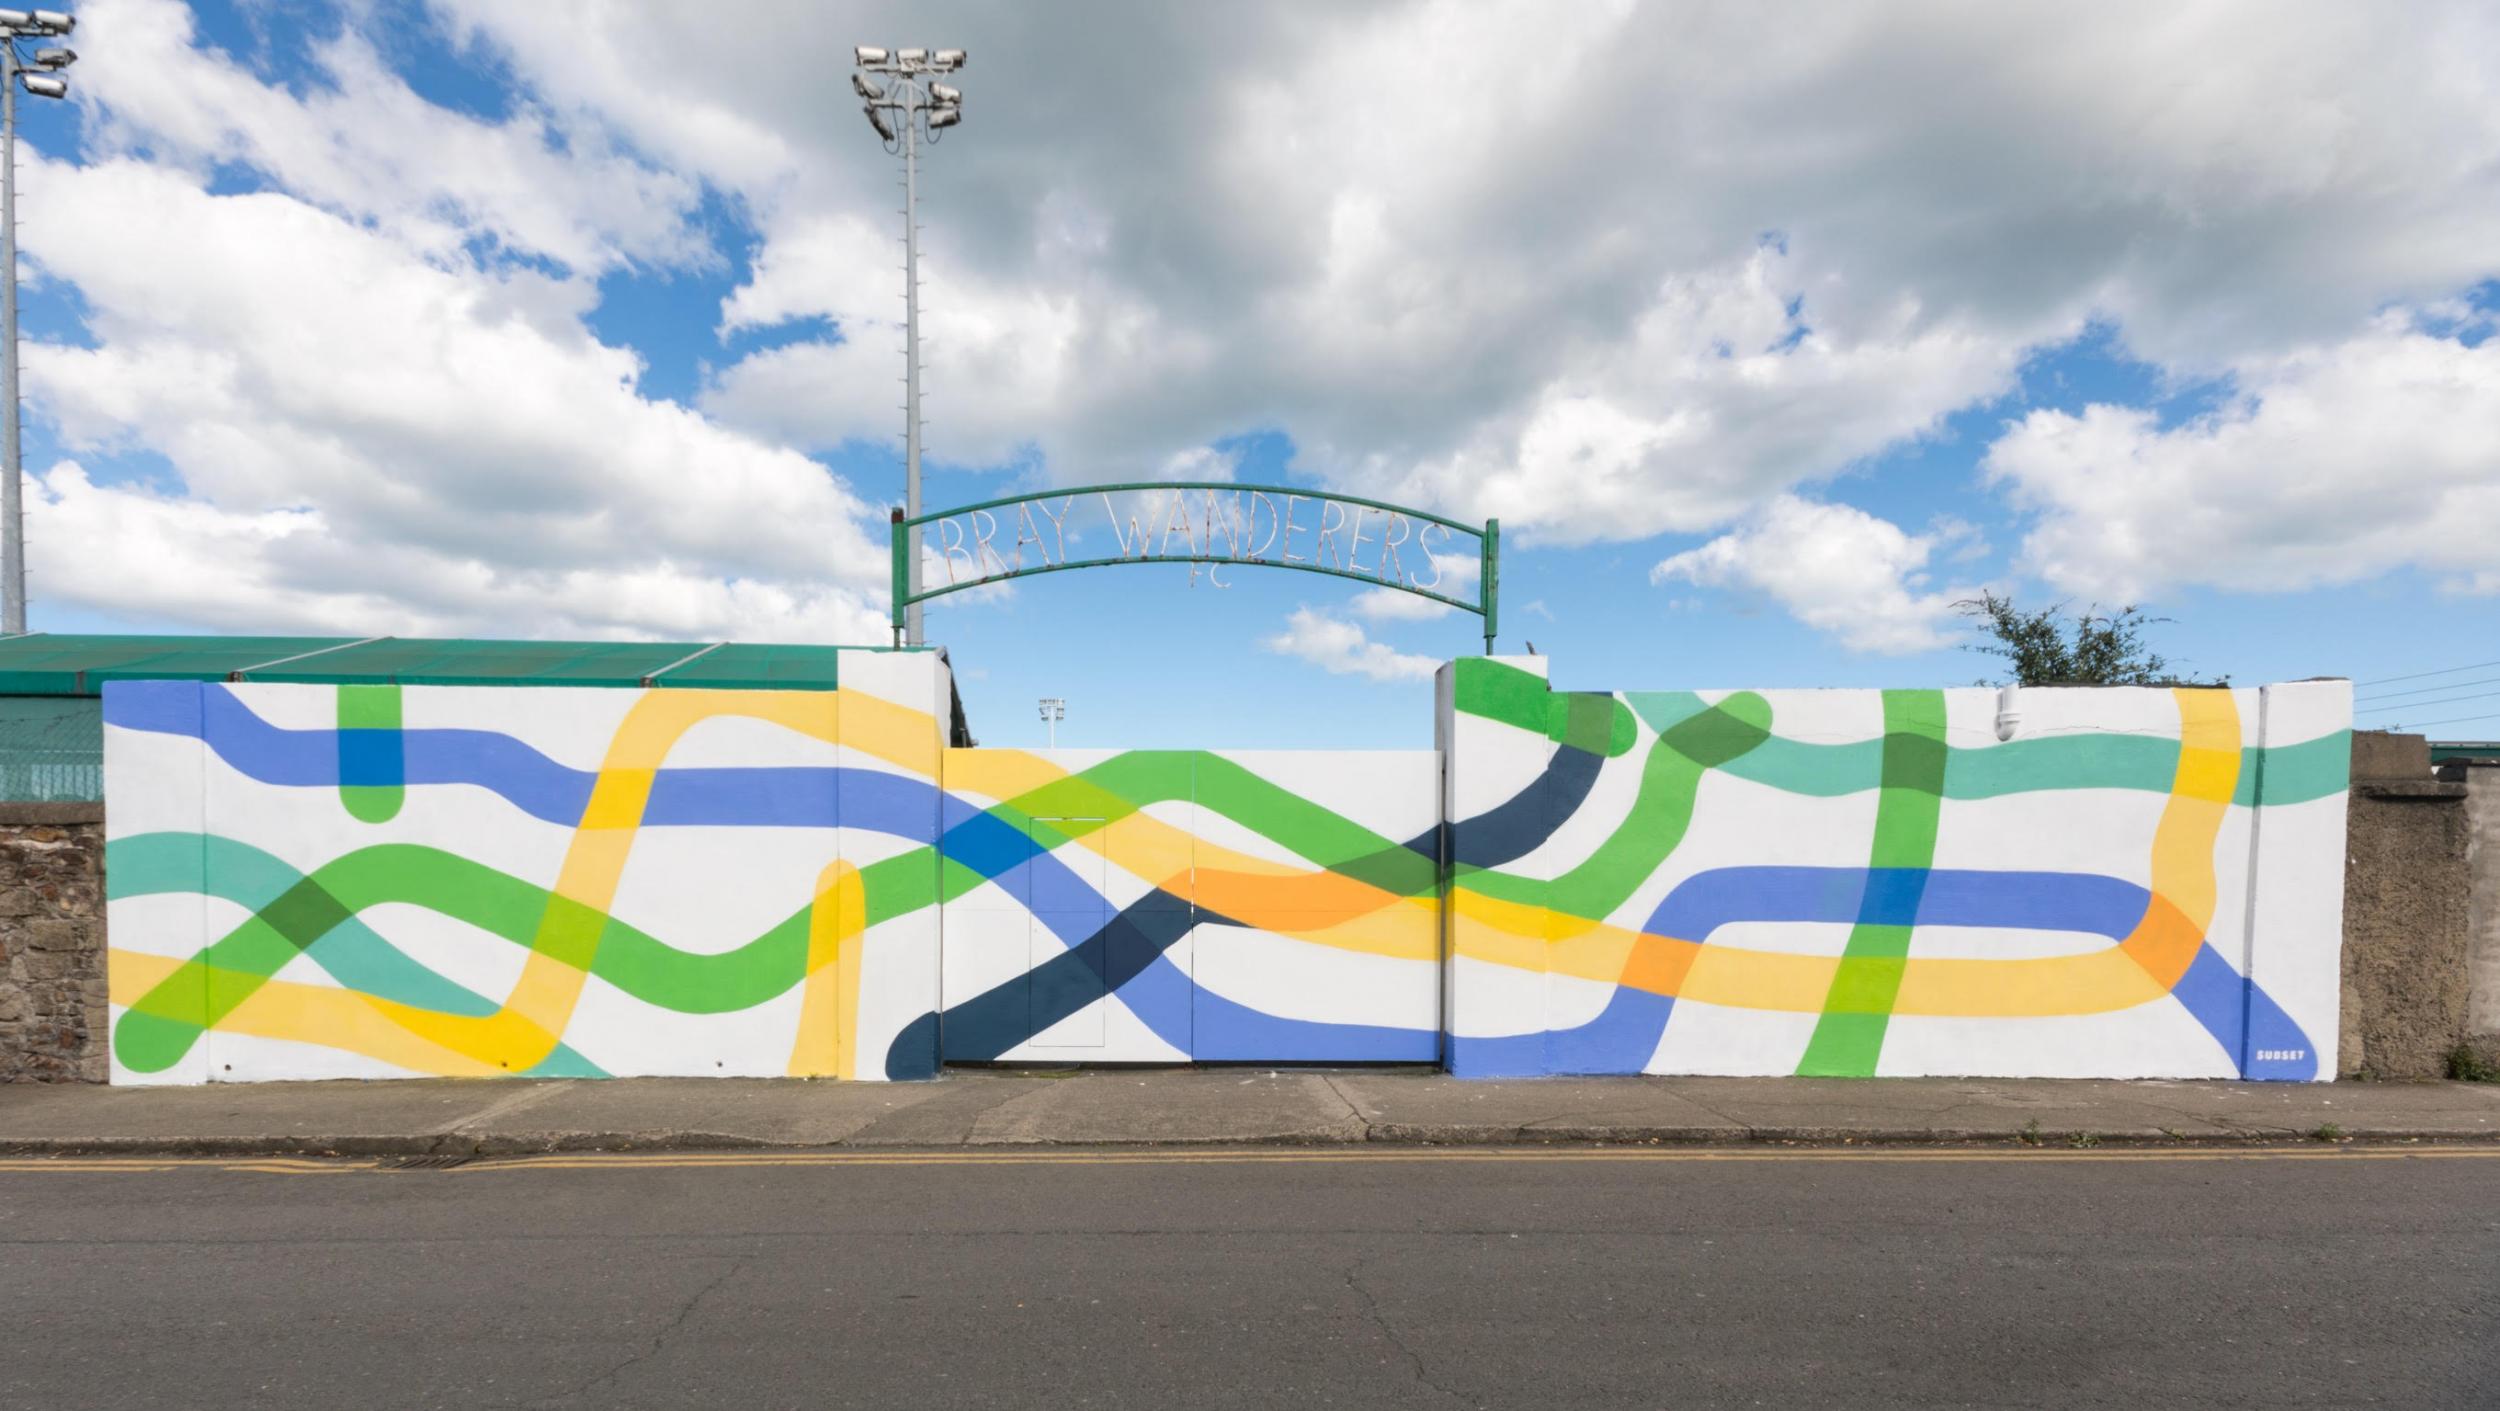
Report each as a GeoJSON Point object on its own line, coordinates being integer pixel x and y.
{"type": "Point", "coordinates": [1891, 896]}
{"type": "Point", "coordinates": [786, 796]}
{"type": "Point", "coordinates": [2236, 1011]}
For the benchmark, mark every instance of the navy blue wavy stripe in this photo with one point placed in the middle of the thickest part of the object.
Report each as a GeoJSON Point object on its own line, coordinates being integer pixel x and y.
{"type": "Point", "coordinates": [1520, 824]}
{"type": "Point", "coordinates": [1127, 957]}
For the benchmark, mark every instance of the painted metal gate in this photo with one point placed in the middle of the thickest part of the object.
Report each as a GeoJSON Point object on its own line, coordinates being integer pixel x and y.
{"type": "Point", "coordinates": [1150, 906]}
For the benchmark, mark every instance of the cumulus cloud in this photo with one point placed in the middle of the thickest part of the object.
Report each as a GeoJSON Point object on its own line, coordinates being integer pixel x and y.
{"type": "Point", "coordinates": [1342, 648]}
{"type": "Point", "coordinates": [360, 142]}
{"type": "Point", "coordinates": [1835, 568]}
{"type": "Point", "coordinates": [1454, 575]}
{"type": "Point", "coordinates": [1782, 249]}
{"type": "Point", "coordinates": [406, 446]}
{"type": "Point", "coordinates": [1688, 263]}
{"type": "Point", "coordinates": [2333, 463]}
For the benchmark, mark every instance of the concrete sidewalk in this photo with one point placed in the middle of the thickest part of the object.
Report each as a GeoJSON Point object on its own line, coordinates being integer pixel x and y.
{"type": "Point", "coordinates": [1207, 1106]}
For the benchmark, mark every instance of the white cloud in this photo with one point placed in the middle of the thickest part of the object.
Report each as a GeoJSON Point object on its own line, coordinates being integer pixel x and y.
{"type": "Point", "coordinates": [1681, 265]}
{"type": "Point", "coordinates": [1341, 648]}
{"type": "Point", "coordinates": [367, 439]}
{"type": "Point", "coordinates": [1835, 568]}
{"type": "Point", "coordinates": [2334, 463]}
{"type": "Point", "coordinates": [1454, 575]}
{"type": "Point", "coordinates": [1554, 301]}
{"type": "Point", "coordinates": [365, 145]}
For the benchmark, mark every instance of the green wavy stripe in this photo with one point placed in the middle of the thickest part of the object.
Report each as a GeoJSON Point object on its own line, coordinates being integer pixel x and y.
{"type": "Point", "coordinates": [1849, 1036]}
{"type": "Point", "coordinates": [1704, 737]}
{"type": "Point", "coordinates": [1595, 721]}
{"type": "Point", "coordinates": [1128, 782]}
{"type": "Point", "coordinates": [308, 914]}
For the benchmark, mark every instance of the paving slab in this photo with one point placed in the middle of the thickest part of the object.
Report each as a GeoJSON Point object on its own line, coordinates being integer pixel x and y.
{"type": "Point", "coordinates": [1948, 1109]}
{"type": "Point", "coordinates": [1205, 1106]}
{"type": "Point", "coordinates": [641, 1113]}
{"type": "Point", "coordinates": [347, 1117]}
{"type": "Point", "coordinates": [1183, 1107]}
{"type": "Point", "coordinates": [2383, 1111]}
{"type": "Point", "coordinates": [1440, 1109]}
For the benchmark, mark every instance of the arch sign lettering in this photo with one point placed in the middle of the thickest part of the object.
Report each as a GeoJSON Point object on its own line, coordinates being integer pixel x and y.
{"type": "Point", "coordinates": [1211, 528]}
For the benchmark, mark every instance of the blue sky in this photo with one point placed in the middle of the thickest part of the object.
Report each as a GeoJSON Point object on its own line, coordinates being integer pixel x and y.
{"type": "Point", "coordinates": [460, 318]}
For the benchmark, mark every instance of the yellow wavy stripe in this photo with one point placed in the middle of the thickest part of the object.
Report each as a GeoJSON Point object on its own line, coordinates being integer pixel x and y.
{"type": "Point", "coordinates": [533, 1017]}
{"type": "Point", "coordinates": [316, 1014]}
{"type": "Point", "coordinates": [1370, 920]}
{"type": "Point", "coordinates": [2137, 971]}
{"type": "Point", "coordinates": [829, 999]}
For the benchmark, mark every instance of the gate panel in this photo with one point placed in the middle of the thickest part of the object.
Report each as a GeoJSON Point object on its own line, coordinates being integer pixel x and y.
{"type": "Point", "coordinates": [1317, 907]}
{"type": "Point", "coordinates": [1171, 905]}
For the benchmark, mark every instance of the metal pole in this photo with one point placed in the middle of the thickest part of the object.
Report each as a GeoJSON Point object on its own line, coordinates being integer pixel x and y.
{"type": "Point", "coordinates": [1489, 583]}
{"type": "Point", "coordinates": [911, 343]}
{"type": "Point", "coordinates": [901, 582]}
{"type": "Point", "coordinates": [12, 491]}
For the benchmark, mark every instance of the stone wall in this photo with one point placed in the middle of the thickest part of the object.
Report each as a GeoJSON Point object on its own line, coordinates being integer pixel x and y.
{"type": "Point", "coordinates": [2406, 887]}
{"type": "Point", "coordinates": [52, 996]}
{"type": "Point", "coordinates": [2481, 778]}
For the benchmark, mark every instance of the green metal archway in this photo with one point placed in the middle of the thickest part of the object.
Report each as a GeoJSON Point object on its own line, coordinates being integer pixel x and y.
{"type": "Point", "coordinates": [1217, 525]}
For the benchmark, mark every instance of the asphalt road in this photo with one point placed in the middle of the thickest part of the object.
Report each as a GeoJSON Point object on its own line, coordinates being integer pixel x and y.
{"type": "Point", "coordinates": [1286, 1278]}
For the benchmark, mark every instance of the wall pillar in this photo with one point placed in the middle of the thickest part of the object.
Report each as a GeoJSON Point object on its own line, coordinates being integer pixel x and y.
{"type": "Point", "coordinates": [53, 1013]}
{"type": "Point", "coordinates": [2481, 779]}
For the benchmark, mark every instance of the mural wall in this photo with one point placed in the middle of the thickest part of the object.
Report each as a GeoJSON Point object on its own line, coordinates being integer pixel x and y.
{"type": "Point", "coordinates": [334, 881]}
{"type": "Point", "coordinates": [1166, 905]}
{"type": "Point", "coordinates": [2127, 883]}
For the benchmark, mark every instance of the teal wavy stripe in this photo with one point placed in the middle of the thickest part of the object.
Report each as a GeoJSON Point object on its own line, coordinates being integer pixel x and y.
{"type": "Point", "coordinates": [353, 953]}
{"type": "Point", "coordinates": [2295, 773]}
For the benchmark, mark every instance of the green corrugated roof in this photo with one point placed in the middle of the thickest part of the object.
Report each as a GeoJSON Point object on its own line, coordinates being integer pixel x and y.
{"type": "Point", "coordinates": [48, 664]}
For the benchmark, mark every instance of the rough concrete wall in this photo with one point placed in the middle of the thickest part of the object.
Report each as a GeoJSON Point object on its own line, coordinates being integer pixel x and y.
{"type": "Point", "coordinates": [2405, 911]}
{"type": "Point", "coordinates": [2383, 754]}
{"type": "Point", "coordinates": [52, 993]}
{"type": "Point", "coordinates": [2481, 778]}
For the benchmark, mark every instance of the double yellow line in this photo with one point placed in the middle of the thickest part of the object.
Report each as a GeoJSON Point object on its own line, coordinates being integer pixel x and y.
{"type": "Point", "coordinates": [1232, 1156]}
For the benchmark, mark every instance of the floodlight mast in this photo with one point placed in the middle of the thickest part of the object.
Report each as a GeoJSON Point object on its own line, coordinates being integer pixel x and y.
{"type": "Point", "coordinates": [40, 76]}
{"type": "Point", "coordinates": [906, 110]}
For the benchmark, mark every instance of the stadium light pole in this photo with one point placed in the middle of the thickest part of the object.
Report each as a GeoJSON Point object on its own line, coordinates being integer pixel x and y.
{"type": "Point", "coordinates": [907, 105]}
{"type": "Point", "coordinates": [1054, 710]}
{"type": "Point", "coordinates": [40, 75]}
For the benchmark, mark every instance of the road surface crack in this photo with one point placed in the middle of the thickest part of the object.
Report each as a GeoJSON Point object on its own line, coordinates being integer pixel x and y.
{"type": "Point", "coordinates": [1361, 1122]}
{"type": "Point", "coordinates": [1371, 1309]}
{"type": "Point", "coordinates": [659, 1339]}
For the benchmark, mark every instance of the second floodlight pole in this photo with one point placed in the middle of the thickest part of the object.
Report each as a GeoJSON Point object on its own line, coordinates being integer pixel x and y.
{"type": "Point", "coordinates": [12, 491]}
{"type": "Point", "coordinates": [911, 366]}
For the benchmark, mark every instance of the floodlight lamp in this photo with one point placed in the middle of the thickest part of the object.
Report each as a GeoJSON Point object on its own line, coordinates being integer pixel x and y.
{"type": "Point", "coordinates": [870, 91]}
{"type": "Point", "coordinates": [943, 94]}
{"type": "Point", "coordinates": [911, 56]}
{"type": "Point", "coordinates": [949, 59]}
{"type": "Point", "coordinates": [44, 85]}
{"type": "Point", "coordinates": [877, 120]}
{"type": "Point", "coordinates": [55, 58]}
{"type": "Point", "coordinates": [945, 117]}
{"type": "Point", "coordinates": [865, 55]}
{"type": "Point", "coordinates": [54, 22]}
